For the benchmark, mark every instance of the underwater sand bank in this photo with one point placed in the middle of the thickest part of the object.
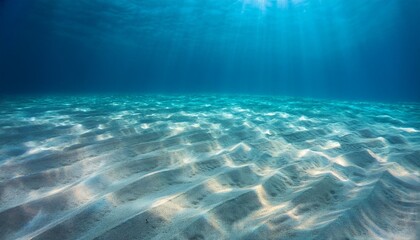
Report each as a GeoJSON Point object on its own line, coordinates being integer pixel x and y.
{"type": "Point", "coordinates": [208, 167]}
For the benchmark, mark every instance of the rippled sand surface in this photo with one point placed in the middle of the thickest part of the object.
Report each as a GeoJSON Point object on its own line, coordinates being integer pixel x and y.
{"type": "Point", "coordinates": [208, 167]}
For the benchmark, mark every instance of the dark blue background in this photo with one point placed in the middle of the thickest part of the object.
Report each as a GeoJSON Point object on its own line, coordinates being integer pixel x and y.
{"type": "Point", "coordinates": [342, 49]}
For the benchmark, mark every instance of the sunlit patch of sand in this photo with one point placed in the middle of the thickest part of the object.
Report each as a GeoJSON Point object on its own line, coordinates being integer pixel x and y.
{"type": "Point", "coordinates": [409, 130]}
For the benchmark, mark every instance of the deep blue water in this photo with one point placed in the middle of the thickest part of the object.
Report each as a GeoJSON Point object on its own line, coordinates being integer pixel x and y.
{"type": "Point", "coordinates": [357, 49]}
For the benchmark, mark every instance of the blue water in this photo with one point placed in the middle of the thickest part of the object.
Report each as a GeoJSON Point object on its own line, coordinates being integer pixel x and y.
{"type": "Point", "coordinates": [209, 119]}
{"type": "Point", "coordinates": [357, 49]}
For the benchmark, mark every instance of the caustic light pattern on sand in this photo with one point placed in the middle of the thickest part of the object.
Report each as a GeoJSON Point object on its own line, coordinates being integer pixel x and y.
{"type": "Point", "coordinates": [208, 167]}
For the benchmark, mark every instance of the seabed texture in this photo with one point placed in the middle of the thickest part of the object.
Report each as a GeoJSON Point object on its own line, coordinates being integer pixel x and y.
{"type": "Point", "coordinates": [208, 167]}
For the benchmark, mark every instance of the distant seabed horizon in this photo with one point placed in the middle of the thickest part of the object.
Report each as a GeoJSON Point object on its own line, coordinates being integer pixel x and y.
{"type": "Point", "coordinates": [208, 167]}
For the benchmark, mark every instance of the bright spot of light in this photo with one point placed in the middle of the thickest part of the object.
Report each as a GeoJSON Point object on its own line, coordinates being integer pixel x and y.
{"type": "Point", "coordinates": [263, 4]}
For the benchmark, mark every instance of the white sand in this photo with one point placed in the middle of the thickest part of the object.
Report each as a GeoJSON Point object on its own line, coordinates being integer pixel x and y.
{"type": "Point", "coordinates": [241, 168]}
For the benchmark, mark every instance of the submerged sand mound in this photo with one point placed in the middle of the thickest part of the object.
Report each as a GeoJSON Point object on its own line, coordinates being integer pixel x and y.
{"type": "Point", "coordinates": [201, 167]}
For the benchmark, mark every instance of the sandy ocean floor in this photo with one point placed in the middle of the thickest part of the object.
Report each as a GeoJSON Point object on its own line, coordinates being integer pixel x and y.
{"type": "Point", "coordinates": [208, 167]}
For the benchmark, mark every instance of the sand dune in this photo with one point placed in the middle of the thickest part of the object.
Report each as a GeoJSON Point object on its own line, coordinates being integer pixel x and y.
{"type": "Point", "coordinates": [200, 167]}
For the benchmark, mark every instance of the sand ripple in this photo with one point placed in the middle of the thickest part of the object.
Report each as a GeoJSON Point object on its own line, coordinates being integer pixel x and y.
{"type": "Point", "coordinates": [208, 167]}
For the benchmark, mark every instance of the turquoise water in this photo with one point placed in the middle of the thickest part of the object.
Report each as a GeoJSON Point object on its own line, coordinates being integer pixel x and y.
{"type": "Point", "coordinates": [208, 167]}
{"type": "Point", "coordinates": [209, 119]}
